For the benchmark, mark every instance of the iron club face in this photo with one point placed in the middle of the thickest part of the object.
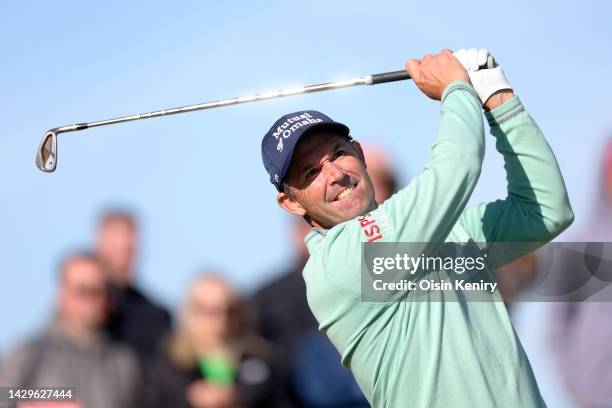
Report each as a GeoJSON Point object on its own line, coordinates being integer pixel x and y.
{"type": "Point", "coordinates": [46, 157]}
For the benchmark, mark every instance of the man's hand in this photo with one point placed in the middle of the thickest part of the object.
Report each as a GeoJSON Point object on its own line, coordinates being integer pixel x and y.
{"type": "Point", "coordinates": [201, 394]}
{"type": "Point", "coordinates": [491, 84]}
{"type": "Point", "coordinates": [433, 74]}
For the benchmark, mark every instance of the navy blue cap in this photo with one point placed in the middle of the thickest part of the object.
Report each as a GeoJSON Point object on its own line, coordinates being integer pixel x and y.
{"type": "Point", "coordinates": [279, 143]}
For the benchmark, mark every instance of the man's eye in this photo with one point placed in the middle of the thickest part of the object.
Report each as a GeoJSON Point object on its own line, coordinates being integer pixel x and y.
{"type": "Point", "coordinates": [311, 173]}
{"type": "Point", "coordinates": [339, 153]}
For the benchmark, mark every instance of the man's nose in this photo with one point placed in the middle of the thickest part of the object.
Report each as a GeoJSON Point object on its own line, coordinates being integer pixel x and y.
{"type": "Point", "coordinates": [334, 173]}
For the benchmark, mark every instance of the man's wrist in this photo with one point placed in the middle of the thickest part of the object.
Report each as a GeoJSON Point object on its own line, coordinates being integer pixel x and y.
{"type": "Point", "coordinates": [504, 112]}
{"type": "Point", "coordinates": [457, 85]}
{"type": "Point", "coordinates": [498, 99]}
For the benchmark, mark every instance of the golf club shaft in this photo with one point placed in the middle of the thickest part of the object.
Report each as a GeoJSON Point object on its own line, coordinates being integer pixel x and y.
{"type": "Point", "coordinates": [365, 80]}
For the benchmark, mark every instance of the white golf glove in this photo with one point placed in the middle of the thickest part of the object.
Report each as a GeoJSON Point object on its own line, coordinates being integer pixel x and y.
{"type": "Point", "coordinates": [486, 81]}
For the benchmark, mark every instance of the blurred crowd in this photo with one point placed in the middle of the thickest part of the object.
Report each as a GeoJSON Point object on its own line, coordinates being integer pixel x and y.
{"type": "Point", "coordinates": [119, 348]}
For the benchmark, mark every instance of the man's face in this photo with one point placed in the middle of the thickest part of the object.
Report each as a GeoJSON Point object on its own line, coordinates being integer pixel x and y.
{"type": "Point", "coordinates": [328, 180]}
{"type": "Point", "coordinates": [210, 312]}
{"type": "Point", "coordinates": [83, 294]}
{"type": "Point", "coordinates": [117, 242]}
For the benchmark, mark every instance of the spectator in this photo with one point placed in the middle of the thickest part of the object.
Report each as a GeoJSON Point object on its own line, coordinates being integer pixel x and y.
{"type": "Point", "coordinates": [135, 319]}
{"type": "Point", "coordinates": [581, 332]}
{"type": "Point", "coordinates": [211, 360]}
{"type": "Point", "coordinates": [381, 172]}
{"type": "Point", "coordinates": [316, 377]}
{"type": "Point", "coordinates": [73, 351]}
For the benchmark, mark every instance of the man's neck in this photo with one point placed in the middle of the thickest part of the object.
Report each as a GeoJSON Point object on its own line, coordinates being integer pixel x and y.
{"type": "Point", "coordinates": [79, 334]}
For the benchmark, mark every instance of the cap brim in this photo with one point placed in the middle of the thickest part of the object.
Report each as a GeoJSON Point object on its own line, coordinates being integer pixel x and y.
{"type": "Point", "coordinates": [335, 127]}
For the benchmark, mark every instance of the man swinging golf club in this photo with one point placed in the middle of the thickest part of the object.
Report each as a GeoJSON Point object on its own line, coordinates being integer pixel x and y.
{"type": "Point", "coordinates": [419, 353]}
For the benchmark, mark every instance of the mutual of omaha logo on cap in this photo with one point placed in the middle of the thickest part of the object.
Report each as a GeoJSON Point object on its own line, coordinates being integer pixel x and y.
{"type": "Point", "coordinates": [280, 141]}
{"type": "Point", "coordinates": [292, 124]}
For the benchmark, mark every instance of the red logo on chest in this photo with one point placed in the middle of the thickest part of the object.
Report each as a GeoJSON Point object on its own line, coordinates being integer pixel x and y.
{"type": "Point", "coordinates": [369, 227]}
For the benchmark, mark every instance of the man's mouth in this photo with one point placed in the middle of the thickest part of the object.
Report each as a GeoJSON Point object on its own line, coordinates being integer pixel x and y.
{"type": "Point", "coordinates": [345, 193]}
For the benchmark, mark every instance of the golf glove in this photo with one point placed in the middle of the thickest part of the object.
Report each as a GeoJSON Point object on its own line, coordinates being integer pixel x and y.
{"type": "Point", "coordinates": [486, 81]}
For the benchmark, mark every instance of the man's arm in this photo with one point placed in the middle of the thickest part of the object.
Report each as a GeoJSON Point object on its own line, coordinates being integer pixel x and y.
{"type": "Point", "coordinates": [18, 368]}
{"type": "Point", "coordinates": [537, 207]}
{"type": "Point", "coordinates": [428, 208]}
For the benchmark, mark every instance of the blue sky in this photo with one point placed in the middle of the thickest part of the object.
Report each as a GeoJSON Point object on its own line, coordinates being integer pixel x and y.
{"type": "Point", "coordinates": [196, 180]}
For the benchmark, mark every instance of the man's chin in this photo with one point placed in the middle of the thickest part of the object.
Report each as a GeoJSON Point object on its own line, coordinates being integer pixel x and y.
{"type": "Point", "coordinates": [356, 210]}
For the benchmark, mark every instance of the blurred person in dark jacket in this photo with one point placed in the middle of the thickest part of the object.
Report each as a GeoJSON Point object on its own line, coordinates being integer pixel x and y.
{"type": "Point", "coordinates": [514, 277]}
{"type": "Point", "coordinates": [135, 319]}
{"type": "Point", "coordinates": [315, 376]}
{"type": "Point", "coordinates": [581, 332]}
{"type": "Point", "coordinates": [73, 351]}
{"type": "Point", "coordinates": [212, 360]}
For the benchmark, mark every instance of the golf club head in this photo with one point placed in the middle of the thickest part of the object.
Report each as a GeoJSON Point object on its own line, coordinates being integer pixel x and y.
{"type": "Point", "coordinates": [46, 157]}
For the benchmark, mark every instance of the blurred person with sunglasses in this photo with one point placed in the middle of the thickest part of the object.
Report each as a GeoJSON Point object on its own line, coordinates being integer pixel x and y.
{"type": "Point", "coordinates": [73, 350]}
{"type": "Point", "coordinates": [212, 360]}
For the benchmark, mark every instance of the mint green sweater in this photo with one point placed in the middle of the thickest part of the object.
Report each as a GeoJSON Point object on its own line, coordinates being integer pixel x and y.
{"type": "Point", "coordinates": [455, 353]}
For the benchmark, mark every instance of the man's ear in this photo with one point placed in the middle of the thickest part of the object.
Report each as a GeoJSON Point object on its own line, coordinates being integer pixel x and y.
{"type": "Point", "coordinates": [289, 204]}
{"type": "Point", "coordinates": [359, 151]}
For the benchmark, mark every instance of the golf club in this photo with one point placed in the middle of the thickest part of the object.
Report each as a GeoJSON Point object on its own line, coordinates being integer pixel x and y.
{"type": "Point", "coordinates": [46, 156]}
